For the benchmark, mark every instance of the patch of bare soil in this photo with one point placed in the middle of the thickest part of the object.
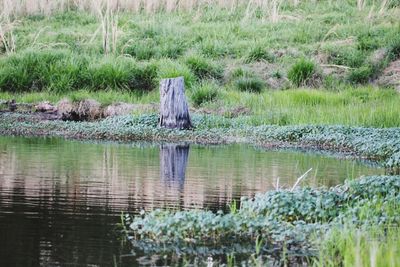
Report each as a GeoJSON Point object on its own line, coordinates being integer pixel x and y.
{"type": "Point", "coordinates": [391, 76]}
{"type": "Point", "coordinates": [67, 110]}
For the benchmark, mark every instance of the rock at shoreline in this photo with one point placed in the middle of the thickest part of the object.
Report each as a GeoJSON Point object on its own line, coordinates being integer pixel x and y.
{"type": "Point", "coordinates": [83, 110]}
{"type": "Point", "coordinates": [89, 109]}
{"type": "Point", "coordinates": [45, 106]}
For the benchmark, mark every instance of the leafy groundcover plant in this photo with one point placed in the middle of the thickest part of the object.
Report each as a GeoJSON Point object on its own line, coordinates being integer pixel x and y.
{"type": "Point", "coordinates": [275, 227]}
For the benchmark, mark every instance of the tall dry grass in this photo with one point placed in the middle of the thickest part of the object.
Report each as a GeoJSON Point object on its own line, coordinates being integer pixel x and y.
{"type": "Point", "coordinates": [108, 24]}
{"type": "Point", "coordinates": [46, 7]}
{"type": "Point", "coordinates": [7, 24]}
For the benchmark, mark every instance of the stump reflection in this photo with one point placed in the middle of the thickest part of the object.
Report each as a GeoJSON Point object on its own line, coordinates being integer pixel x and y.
{"type": "Point", "coordinates": [173, 162]}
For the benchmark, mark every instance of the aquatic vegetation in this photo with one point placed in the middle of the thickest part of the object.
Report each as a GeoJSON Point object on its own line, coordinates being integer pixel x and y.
{"type": "Point", "coordinates": [273, 221]}
{"type": "Point", "coordinates": [369, 244]}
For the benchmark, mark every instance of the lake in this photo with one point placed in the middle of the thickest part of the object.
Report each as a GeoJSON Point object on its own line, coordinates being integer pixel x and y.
{"type": "Point", "coordinates": [61, 201]}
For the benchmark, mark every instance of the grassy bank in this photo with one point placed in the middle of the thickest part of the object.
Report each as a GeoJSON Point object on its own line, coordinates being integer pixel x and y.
{"type": "Point", "coordinates": [306, 62]}
{"type": "Point", "coordinates": [242, 47]}
{"type": "Point", "coordinates": [321, 227]}
{"type": "Point", "coordinates": [367, 106]}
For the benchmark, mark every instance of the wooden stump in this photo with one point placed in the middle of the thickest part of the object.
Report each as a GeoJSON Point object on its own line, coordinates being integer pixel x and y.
{"type": "Point", "coordinates": [174, 111]}
{"type": "Point", "coordinates": [173, 162]}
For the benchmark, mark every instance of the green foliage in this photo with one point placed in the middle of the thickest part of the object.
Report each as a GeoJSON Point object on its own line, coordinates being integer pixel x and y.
{"type": "Point", "coordinates": [371, 245]}
{"type": "Point", "coordinates": [394, 45]}
{"type": "Point", "coordinates": [214, 48]}
{"type": "Point", "coordinates": [36, 71]}
{"type": "Point", "coordinates": [239, 73]}
{"type": "Point", "coordinates": [284, 220]}
{"type": "Point", "coordinates": [61, 71]}
{"type": "Point", "coordinates": [361, 75]}
{"type": "Point", "coordinates": [249, 84]}
{"type": "Point", "coordinates": [205, 92]}
{"type": "Point", "coordinates": [347, 56]}
{"type": "Point", "coordinates": [142, 50]}
{"type": "Point", "coordinates": [361, 106]}
{"type": "Point", "coordinates": [203, 68]}
{"type": "Point", "coordinates": [211, 34]}
{"type": "Point", "coordinates": [172, 69]}
{"type": "Point", "coordinates": [258, 53]}
{"type": "Point", "coordinates": [368, 41]}
{"type": "Point", "coordinates": [301, 72]}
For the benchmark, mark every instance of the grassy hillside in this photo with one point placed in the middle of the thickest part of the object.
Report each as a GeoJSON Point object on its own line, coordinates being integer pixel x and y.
{"type": "Point", "coordinates": [232, 55]}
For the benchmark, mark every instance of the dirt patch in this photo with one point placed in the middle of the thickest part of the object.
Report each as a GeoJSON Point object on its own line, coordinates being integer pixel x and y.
{"type": "Point", "coordinates": [118, 109]}
{"type": "Point", "coordinates": [273, 75]}
{"type": "Point", "coordinates": [323, 59]}
{"type": "Point", "coordinates": [84, 110]}
{"type": "Point", "coordinates": [378, 56]}
{"type": "Point", "coordinates": [391, 76]}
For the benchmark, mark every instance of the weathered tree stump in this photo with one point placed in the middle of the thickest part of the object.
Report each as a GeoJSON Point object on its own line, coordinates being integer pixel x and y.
{"type": "Point", "coordinates": [174, 111]}
{"type": "Point", "coordinates": [173, 162]}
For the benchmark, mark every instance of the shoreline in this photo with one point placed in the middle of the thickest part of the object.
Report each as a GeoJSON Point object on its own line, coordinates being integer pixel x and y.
{"type": "Point", "coordinates": [380, 146]}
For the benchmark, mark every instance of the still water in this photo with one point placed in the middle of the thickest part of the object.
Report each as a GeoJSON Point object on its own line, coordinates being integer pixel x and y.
{"type": "Point", "coordinates": [60, 200]}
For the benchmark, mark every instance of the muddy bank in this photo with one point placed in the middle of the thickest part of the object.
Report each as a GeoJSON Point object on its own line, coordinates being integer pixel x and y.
{"type": "Point", "coordinates": [380, 145]}
{"type": "Point", "coordinates": [78, 110]}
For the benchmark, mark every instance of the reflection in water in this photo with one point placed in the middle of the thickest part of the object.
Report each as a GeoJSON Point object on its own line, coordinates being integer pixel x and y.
{"type": "Point", "coordinates": [60, 200]}
{"type": "Point", "coordinates": [173, 162]}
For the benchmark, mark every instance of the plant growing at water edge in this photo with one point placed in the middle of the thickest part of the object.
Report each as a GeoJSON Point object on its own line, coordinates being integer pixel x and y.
{"type": "Point", "coordinates": [278, 220]}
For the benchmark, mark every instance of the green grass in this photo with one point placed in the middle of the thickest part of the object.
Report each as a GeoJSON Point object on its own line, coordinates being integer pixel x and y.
{"type": "Point", "coordinates": [249, 84]}
{"type": "Point", "coordinates": [201, 45]}
{"type": "Point", "coordinates": [206, 92]}
{"type": "Point", "coordinates": [367, 245]}
{"type": "Point", "coordinates": [366, 106]}
{"type": "Point", "coordinates": [61, 55]}
{"type": "Point", "coordinates": [300, 74]}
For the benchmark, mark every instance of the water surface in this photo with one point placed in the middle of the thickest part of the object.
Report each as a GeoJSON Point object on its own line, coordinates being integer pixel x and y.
{"type": "Point", "coordinates": [60, 200]}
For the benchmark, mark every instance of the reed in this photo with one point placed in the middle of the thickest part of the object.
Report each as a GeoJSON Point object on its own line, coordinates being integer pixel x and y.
{"type": "Point", "coordinates": [271, 9]}
{"type": "Point", "coordinates": [32, 7]}
{"type": "Point", "coordinates": [360, 4]}
{"type": "Point", "coordinates": [108, 24]}
{"type": "Point", "coordinates": [7, 39]}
